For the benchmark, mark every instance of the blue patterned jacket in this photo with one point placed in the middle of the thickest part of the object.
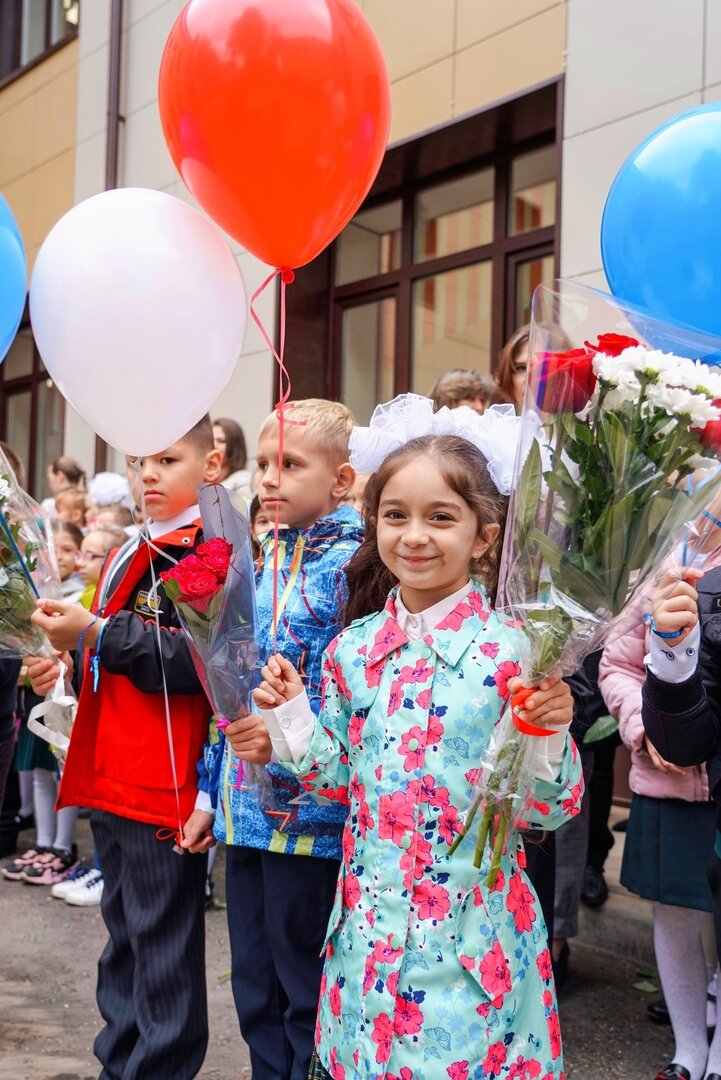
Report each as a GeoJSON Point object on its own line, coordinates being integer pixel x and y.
{"type": "Point", "coordinates": [278, 815]}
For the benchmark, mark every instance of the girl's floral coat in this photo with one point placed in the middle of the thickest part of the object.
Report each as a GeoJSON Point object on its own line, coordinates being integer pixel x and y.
{"type": "Point", "coordinates": [427, 973]}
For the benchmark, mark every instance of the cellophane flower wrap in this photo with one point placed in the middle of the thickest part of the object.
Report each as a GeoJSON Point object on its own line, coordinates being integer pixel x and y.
{"type": "Point", "coordinates": [619, 414]}
{"type": "Point", "coordinates": [213, 591]}
{"type": "Point", "coordinates": [28, 568]}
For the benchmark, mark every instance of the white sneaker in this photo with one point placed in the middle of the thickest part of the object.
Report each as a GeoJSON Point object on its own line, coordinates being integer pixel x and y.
{"type": "Point", "coordinates": [77, 878]}
{"type": "Point", "coordinates": [87, 893]}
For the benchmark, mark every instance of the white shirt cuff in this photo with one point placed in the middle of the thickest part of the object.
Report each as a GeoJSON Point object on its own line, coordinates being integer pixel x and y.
{"type": "Point", "coordinates": [548, 751]}
{"type": "Point", "coordinates": [674, 665]}
{"type": "Point", "coordinates": [290, 726]}
{"type": "Point", "coordinates": [202, 802]}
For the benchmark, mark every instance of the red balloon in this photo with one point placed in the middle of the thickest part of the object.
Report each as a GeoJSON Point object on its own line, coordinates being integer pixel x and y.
{"type": "Point", "coordinates": [276, 114]}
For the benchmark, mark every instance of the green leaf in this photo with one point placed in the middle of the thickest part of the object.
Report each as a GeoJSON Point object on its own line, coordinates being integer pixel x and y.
{"type": "Point", "coordinates": [172, 589]}
{"type": "Point", "coordinates": [646, 987]}
{"type": "Point", "coordinates": [550, 551]}
{"type": "Point", "coordinates": [601, 729]}
{"type": "Point", "coordinates": [529, 489]}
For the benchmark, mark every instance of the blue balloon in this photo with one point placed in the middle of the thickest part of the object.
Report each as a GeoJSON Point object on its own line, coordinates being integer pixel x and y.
{"type": "Point", "coordinates": [13, 274]}
{"type": "Point", "coordinates": [661, 226]}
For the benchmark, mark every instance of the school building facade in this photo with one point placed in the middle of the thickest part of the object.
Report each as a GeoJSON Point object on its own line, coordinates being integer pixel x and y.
{"type": "Point", "coordinates": [510, 120]}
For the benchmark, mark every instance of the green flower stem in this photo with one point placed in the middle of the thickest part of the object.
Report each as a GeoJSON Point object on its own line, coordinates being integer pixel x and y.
{"type": "Point", "coordinates": [504, 824]}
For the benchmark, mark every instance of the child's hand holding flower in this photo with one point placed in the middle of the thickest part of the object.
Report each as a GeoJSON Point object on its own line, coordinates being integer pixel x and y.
{"type": "Point", "coordinates": [675, 604]}
{"type": "Point", "coordinates": [281, 683]}
{"type": "Point", "coordinates": [64, 622]}
{"type": "Point", "coordinates": [551, 704]}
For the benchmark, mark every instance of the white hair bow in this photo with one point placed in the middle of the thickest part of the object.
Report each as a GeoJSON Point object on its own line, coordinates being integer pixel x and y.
{"type": "Point", "coordinates": [409, 416]}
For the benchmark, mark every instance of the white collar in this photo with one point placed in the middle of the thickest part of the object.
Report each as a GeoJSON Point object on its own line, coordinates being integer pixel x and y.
{"type": "Point", "coordinates": [415, 625]}
{"type": "Point", "coordinates": [185, 517]}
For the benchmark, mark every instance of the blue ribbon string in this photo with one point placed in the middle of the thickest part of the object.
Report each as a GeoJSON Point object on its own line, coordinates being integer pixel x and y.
{"type": "Point", "coordinates": [16, 552]}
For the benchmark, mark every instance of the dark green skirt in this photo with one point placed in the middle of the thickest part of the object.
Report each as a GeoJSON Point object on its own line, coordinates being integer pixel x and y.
{"type": "Point", "coordinates": [33, 753]}
{"type": "Point", "coordinates": [668, 844]}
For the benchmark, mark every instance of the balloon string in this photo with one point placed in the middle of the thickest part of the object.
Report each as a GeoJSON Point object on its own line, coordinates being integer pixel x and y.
{"type": "Point", "coordinates": [284, 387]}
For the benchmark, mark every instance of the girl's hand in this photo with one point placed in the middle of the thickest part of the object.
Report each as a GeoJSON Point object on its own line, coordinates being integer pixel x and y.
{"type": "Point", "coordinates": [281, 683]}
{"type": "Point", "coordinates": [198, 833]}
{"type": "Point", "coordinates": [658, 762]}
{"type": "Point", "coordinates": [675, 604]}
{"type": "Point", "coordinates": [64, 623]}
{"type": "Point", "coordinates": [43, 673]}
{"type": "Point", "coordinates": [551, 703]}
{"type": "Point", "coordinates": [249, 739]}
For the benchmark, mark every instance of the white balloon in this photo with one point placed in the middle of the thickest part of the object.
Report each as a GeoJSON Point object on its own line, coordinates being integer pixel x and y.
{"type": "Point", "coordinates": [138, 309]}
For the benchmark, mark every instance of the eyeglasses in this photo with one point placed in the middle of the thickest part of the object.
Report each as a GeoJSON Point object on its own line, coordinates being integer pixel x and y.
{"type": "Point", "coordinates": [90, 556]}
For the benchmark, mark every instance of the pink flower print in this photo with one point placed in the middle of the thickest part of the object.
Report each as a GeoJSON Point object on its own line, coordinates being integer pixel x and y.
{"type": "Point", "coordinates": [355, 729]}
{"type": "Point", "coordinates": [548, 999]}
{"type": "Point", "coordinates": [413, 748]}
{"type": "Point", "coordinates": [520, 901]}
{"type": "Point", "coordinates": [351, 891]}
{"type": "Point", "coordinates": [475, 600]}
{"type": "Point", "coordinates": [472, 776]}
{"type": "Point", "coordinates": [495, 976]}
{"type": "Point", "coordinates": [365, 819]}
{"type": "Point", "coordinates": [347, 845]}
{"type": "Point", "coordinates": [415, 860]}
{"type": "Point", "coordinates": [370, 975]}
{"type": "Point", "coordinates": [389, 637]}
{"type": "Point", "coordinates": [435, 730]}
{"type": "Point", "coordinates": [392, 982]}
{"type": "Point", "coordinates": [334, 999]}
{"type": "Point", "coordinates": [572, 804]}
{"type": "Point", "coordinates": [405, 1074]}
{"type": "Point", "coordinates": [554, 1034]}
{"type": "Point", "coordinates": [495, 1058]}
{"type": "Point", "coordinates": [395, 817]}
{"type": "Point", "coordinates": [431, 901]}
{"type": "Point", "coordinates": [408, 1018]}
{"type": "Point", "coordinates": [395, 697]}
{"type": "Point", "coordinates": [419, 673]}
{"type": "Point", "coordinates": [356, 789]}
{"type": "Point", "coordinates": [449, 824]}
{"type": "Point", "coordinates": [477, 896]}
{"type": "Point", "coordinates": [500, 882]}
{"type": "Point", "coordinates": [490, 648]}
{"type": "Point", "coordinates": [543, 963]}
{"type": "Point", "coordinates": [468, 962]}
{"type": "Point", "coordinates": [337, 1071]}
{"type": "Point", "coordinates": [430, 793]}
{"type": "Point", "coordinates": [457, 617]}
{"type": "Point", "coordinates": [340, 681]}
{"type": "Point", "coordinates": [507, 669]}
{"type": "Point", "coordinates": [373, 673]}
{"type": "Point", "coordinates": [382, 1035]}
{"type": "Point", "coordinates": [423, 700]}
{"type": "Point", "coordinates": [371, 917]}
{"type": "Point", "coordinates": [384, 953]}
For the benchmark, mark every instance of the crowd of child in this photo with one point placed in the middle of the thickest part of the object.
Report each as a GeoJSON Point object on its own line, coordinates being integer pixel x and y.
{"type": "Point", "coordinates": [359, 949]}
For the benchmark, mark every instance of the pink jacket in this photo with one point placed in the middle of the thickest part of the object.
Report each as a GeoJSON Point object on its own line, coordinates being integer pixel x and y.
{"type": "Point", "coordinates": [621, 677]}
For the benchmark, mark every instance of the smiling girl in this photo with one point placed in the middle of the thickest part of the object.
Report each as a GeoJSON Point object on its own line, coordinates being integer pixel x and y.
{"type": "Point", "coordinates": [428, 973]}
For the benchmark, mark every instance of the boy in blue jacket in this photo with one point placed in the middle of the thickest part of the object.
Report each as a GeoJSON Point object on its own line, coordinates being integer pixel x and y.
{"type": "Point", "coordinates": [284, 848]}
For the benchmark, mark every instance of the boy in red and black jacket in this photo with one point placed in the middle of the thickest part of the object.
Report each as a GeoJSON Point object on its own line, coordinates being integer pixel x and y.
{"type": "Point", "coordinates": [151, 976]}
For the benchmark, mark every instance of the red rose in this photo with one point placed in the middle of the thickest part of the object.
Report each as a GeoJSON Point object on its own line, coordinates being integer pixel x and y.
{"type": "Point", "coordinates": [612, 344]}
{"type": "Point", "coordinates": [216, 547]}
{"type": "Point", "coordinates": [200, 584]}
{"type": "Point", "coordinates": [710, 434]}
{"type": "Point", "coordinates": [563, 382]}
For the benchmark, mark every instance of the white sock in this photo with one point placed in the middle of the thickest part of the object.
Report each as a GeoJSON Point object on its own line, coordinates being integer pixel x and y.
{"type": "Point", "coordinates": [711, 1002]}
{"type": "Point", "coordinates": [714, 1051]}
{"type": "Point", "coordinates": [45, 786]}
{"type": "Point", "coordinates": [25, 781]}
{"type": "Point", "coordinates": [65, 827]}
{"type": "Point", "coordinates": [682, 969]}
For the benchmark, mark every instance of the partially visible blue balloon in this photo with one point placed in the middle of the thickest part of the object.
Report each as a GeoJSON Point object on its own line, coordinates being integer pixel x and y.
{"type": "Point", "coordinates": [661, 227]}
{"type": "Point", "coordinates": [13, 274]}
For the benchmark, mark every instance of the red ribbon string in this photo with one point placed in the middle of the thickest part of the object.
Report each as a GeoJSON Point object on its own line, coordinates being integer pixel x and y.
{"type": "Point", "coordinates": [524, 726]}
{"type": "Point", "coordinates": [286, 278]}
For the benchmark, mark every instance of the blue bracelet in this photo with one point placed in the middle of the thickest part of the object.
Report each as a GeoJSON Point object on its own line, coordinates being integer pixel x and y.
{"type": "Point", "coordinates": [95, 659]}
{"type": "Point", "coordinates": [84, 632]}
{"type": "Point", "coordinates": [666, 635]}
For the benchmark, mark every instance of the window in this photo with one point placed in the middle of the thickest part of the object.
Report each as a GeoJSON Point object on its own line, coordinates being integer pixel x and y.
{"type": "Point", "coordinates": [30, 29]}
{"type": "Point", "coordinates": [31, 411]}
{"type": "Point", "coordinates": [438, 267]}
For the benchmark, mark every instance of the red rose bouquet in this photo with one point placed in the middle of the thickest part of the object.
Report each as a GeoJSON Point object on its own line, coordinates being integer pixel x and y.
{"type": "Point", "coordinates": [614, 427]}
{"type": "Point", "coordinates": [213, 591]}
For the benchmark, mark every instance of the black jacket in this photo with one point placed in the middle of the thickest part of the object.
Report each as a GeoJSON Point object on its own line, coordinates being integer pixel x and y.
{"type": "Point", "coordinates": [683, 720]}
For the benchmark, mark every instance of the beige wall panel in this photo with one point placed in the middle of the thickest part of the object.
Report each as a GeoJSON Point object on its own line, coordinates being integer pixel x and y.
{"type": "Point", "coordinates": [625, 58]}
{"type": "Point", "coordinates": [92, 102]}
{"type": "Point", "coordinates": [590, 163]}
{"type": "Point", "coordinates": [90, 167]}
{"type": "Point", "coordinates": [422, 100]}
{"type": "Point", "coordinates": [21, 199]}
{"type": "Point", "coordinates": [55, 114]}
{"type": "Point", "coordinates": [95, 26]}
{"type": "Point", "coordinates": [713, 43]}
{"type": "Point", "coordinates": [28, 84]}
{"type": "Point", "coordinates": [53, 196]}
{"type": "Point", "coordinates": [145, 161]}
{"type": "Point", "coordinates": [413, 33]}
{"type": "Point", "coordinates": [528, 53]}
{"type": "Point", "coordinates": [143, 46]}
{"type": "Point", "coordinates": [16, 142]}
{"type": "Point", "coordinates": [248, 397]}
{"type": "Point", "coordinates": [481, 19]}
{"type": "Point", "coordinates": [136, 10]}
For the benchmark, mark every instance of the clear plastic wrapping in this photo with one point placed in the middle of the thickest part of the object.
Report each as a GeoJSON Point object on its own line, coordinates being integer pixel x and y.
{"type": "Point", "coordinates": [620, 418]}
